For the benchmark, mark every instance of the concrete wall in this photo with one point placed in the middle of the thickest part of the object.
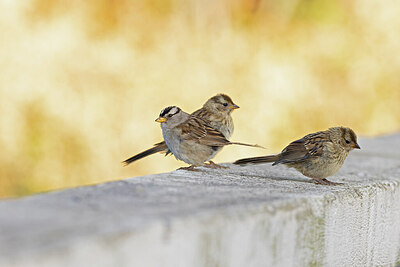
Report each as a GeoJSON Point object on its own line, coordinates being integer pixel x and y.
{"type": "Point", "coordinates": [243, 216]}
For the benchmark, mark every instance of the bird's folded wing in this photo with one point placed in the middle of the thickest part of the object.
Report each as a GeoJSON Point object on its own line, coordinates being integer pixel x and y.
{"type": "Point", "coordinates": [311, 145]}
{"type": "Point", "coordinates": [197, 130]}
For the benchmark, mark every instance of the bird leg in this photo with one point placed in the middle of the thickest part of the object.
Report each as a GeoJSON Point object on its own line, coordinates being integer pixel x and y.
{"type": "Point", "coordinates": [324, 181]}
{"type": "Point", "coordinates": [189, 168]}
{"type": "Point", "coordinates": [213, 165]}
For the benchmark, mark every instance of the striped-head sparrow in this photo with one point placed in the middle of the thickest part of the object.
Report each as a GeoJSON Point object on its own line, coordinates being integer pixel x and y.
{"type": "Point", "coordinates": [216, 112]}
{"type": "Point", "coordinates": [192, 141]}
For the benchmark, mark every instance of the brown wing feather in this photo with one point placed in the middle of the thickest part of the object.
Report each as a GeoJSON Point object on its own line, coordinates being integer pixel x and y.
{"type": "Point", "coordinates": [309, 146]}
{"type": "Point", "coordinates": [196, 129]}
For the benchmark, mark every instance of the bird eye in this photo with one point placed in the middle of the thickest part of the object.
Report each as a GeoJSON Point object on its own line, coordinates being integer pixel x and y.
{"type": "Point", "coordinates": [169, 116]}
{"type": "Point", "coordinates": [347, 141]}
{"type": "Point", "coordinates": [225, 104]}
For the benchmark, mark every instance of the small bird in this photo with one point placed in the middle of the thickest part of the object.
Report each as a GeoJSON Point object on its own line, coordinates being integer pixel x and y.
{"type": "Point", "coordinates": [162, 146]}
{"type": "Point", "coordinates": [316, 155]}
{"type": "Point", "coordinates": [192, 141]}
{"type": "Point", "coordinates": [216, 112]}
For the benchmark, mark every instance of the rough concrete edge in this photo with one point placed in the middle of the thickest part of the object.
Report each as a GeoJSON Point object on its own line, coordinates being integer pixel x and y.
{"type": "Point", "coordinates": [259, 210]}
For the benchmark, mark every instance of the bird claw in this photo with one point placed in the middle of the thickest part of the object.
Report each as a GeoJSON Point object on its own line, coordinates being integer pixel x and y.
{"type": "Point", "coordinates": [213, 165]}
{"type": "Point", "coordinates": [189, 168]}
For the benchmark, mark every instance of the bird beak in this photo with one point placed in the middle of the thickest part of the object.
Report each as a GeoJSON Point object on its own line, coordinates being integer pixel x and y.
{"type": "Point", "coordinates": [234, 107]}
{"type": "Point", "coordinates": [161, 119]}
{"type": "Point", "coordinates": [356, 146]}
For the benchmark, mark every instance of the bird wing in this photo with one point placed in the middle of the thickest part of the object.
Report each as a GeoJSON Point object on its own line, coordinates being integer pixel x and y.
{"type": "Point", "coordinates": [196, 129]}
{"type": "Point", "coordinates": [311, 145]}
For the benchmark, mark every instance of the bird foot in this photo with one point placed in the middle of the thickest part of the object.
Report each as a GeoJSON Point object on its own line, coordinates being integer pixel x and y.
{"type": "Point", "coordinates": [189, 168]}
{"type": "Point", "coordinates": [213, 165]}
{"type": "Point", "coordinates": [325, 182]}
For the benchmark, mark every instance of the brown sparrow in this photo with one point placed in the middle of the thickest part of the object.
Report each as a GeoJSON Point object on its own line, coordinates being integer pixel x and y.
{"type": "Point", "coordinates": [316, 155]}
{"type": "Point", "coordinates": [216, 112]}
{"type": "Point", "coordinates": [192, 141]}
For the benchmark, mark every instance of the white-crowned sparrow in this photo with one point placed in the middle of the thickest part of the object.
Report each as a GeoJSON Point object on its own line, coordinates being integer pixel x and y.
{"type": "Point", "coordinates": [316, 155]}
{"type": "Point", "coordinates": [162, 147]}
{"type": "Point", "coordinates": [216, 112]}
{"type": "Point", "coordinates": [192, 141]}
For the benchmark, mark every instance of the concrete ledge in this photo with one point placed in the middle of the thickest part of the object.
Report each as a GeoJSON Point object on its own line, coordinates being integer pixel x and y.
{"type": "Point", "coordinates": [244, 216]}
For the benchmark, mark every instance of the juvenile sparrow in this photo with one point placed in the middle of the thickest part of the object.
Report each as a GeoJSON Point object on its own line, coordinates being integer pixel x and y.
{"type": "Point", "coordinates": [216, 112]}
{"type": "Point", "coordinates": [316, 155]}
{"type": "Point", "coordinates": [192, 141]}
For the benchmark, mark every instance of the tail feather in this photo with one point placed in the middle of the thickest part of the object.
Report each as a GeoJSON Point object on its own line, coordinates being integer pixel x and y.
{"type": "Point", "coordinates": [257, 160]}
{"type": "Point", "coordinates": [159, 147]}
{"type": "Point", "coordinates": [244, 144]}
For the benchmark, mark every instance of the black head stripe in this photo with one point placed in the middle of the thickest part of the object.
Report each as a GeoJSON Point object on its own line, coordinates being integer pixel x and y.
{"type": "Point", "coordinates": [165, 111]}
{"type": "Point", "coordinates": [172, 110]}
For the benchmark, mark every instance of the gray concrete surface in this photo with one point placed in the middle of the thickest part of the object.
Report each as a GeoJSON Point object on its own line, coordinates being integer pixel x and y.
{"type": "Point", "coordinates": [243, 216]}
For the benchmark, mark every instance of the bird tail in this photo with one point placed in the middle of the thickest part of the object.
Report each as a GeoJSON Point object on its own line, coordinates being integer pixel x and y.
{"type": "Point", "coordinates": [159, 147]}
{"type": "Point", "coordinates": [257, 160]}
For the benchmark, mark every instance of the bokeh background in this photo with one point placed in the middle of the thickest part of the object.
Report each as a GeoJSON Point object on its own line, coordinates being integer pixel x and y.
{"type": "Point", "coordinates": [82, 81]}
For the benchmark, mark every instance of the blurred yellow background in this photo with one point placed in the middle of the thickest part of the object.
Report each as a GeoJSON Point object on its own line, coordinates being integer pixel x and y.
{"type": "Point", "coordinates": [83, 81]}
